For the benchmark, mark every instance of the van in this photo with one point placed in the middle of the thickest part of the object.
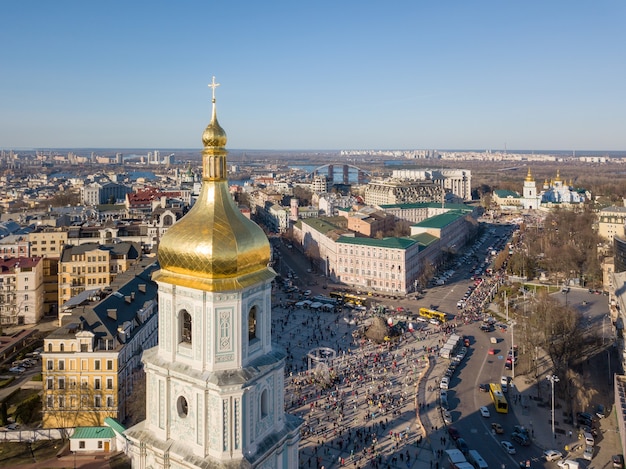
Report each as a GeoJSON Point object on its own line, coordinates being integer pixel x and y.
{"type": "Point", "coordinates": [588, 437]}
{"type": "Point", "coordinates": [476, 459]}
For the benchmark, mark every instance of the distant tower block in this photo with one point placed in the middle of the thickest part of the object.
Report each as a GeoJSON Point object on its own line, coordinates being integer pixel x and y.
{"type": "Point", "coordinates": [346, 174]}
{"type": "Point", "coordinates": [361, 177]}
{"type": "Point", "coordinates": [294, 208]}
{"type": "Point", "coordinates": [331, 173]}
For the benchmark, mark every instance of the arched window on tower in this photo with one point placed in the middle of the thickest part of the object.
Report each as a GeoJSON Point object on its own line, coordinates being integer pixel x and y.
{"type": "Point", "coordinates": [252, 330]}
{"type": "Point", "coordinates": [265, 404]}
{"type": "Point", "coordinates": [185, 327]}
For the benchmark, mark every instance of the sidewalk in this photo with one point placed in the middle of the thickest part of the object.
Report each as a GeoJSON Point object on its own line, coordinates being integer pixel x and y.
{"type": "Point", "coordinates": [533, 409]}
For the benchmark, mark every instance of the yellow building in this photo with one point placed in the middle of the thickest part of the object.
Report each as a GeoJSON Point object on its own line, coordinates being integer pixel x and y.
{"type": "Point", "coordinates": [90, 361]}
{"type": "Point", "coordinates": [47, 242]}
{"type": "Point", "coordinates": [92, 266]}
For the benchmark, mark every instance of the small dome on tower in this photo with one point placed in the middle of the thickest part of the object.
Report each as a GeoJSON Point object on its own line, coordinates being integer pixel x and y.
{"type": "Point", "coordinates": [214, 247]}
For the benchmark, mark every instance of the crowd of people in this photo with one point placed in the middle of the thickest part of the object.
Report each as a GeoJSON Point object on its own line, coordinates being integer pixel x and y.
{"type": "Point", "coordinates": [359, 409]}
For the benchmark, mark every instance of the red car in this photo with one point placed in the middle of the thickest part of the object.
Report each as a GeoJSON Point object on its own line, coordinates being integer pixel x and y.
{"type": "Point", "coordinates": [454, 433]}
{"type": "Point", "coordinates": [491, 351]}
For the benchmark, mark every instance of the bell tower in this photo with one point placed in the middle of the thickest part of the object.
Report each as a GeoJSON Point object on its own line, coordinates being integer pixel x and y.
{"type": "Point", "coordinates": [215, 382]}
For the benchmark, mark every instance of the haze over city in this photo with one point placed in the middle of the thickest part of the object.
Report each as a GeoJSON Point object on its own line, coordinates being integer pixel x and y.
{"type": "Point", "coordinates": [323, 75]}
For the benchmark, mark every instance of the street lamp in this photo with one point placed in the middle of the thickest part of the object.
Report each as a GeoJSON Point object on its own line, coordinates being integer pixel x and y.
{"type": "Point", "coordinates": [512, 324]}
{"type": "Point", "coordinates": [553, 379]}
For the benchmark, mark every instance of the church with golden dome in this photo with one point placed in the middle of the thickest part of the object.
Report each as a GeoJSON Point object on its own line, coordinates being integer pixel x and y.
{"type": "Point", "coordinates": [215, 382]}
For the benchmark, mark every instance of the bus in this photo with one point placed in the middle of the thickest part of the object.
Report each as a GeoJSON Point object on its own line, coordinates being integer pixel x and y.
{"type": "Point", "coordinates": [431, 313]}
{"type": "Point", "coordinates": [354, 299]}
{"type": "Point", "coordinates": [337, 295]}
{"type": "Point", "coordinates": [350, 298]}
{"type": "Point", "coordinates": [499, 401]}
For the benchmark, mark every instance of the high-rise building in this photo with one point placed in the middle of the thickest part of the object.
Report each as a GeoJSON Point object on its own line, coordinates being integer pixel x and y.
{"type": "Point", "coordinates": [215, 384]}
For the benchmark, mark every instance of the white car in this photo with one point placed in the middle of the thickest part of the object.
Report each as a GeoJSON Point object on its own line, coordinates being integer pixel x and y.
{"type": "Point", "coordinates": [568, 464]}
{"type": "Point", "coordinates": [504, 382]}
{"type": "Point", "coordinates": [17, 369]}
{"type": "Point", "coordinates": [485, 412]}
{"type": "Point", "coordinates": [434, 321]}
{"type": "Point", "coordinates": [552, 455]}
{"type": "Point", "coordinates": [447, 417]}
{"type": "Point", "coordinates": [508, 447]}
{"type": "Point", "coordinates": [588, 454]}
{"type": "Point", "coordinates": [444, 383]}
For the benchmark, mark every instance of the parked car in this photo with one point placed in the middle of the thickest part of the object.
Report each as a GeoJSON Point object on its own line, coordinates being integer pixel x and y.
{"type": "Point", "coordinates": [462, 445]}
{"type": "Point", "coordinates": [508, 447]}
{"type": "Point", "coordinates": [454, 433]}
{"type": "Point", "coordinates": [552, 455]}
{"type": "Point", "coordinates": [618, 461]}
{"type": "Point", "coordinates": [588, 453]}
{"type": "Point", "coordinates": [444, 383]}
{"type": "Point", "coordinates": [447, 417]}
{"type": "Point", "coordinates": [504, 383]}
{"type": "Point", "coordinates": [17, 369]}
{"type": "Point", "coordinates": [483, 387]}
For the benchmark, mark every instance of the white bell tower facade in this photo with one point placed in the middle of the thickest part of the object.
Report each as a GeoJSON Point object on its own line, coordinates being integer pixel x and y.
{"type": "Point", "coordinates": [214, 384]}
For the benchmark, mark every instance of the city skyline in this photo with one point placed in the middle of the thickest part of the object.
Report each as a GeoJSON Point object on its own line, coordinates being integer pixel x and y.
{"type": "Point", "coordinates": [324, 76]}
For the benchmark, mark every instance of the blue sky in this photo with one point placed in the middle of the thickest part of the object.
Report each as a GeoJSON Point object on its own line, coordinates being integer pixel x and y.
{"type": "Point", "coordinates": [398, 74]}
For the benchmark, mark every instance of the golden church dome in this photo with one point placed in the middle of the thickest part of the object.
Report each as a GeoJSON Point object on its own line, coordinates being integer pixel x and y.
{"type": "Point", "coordinates": [214, 247]}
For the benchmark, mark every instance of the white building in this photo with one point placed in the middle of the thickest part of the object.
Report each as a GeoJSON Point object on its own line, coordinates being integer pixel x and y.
{"type": "Point", "coordinates": [457, 181]}
{"type": "Point", "coordinates": [215, 383]}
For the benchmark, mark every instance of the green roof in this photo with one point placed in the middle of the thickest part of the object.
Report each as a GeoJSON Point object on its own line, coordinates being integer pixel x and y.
{"type": "Point", "coordinates": [320, 225]}
{"type": "Point", "coordinates": [425, 239]}
{"type": "Point", "coordinates": [115, 425]}
{"type": "Point", "coordinates": [92, 433]}
{"type": "Point", "coordinates": [392, 243]}
{"type": "Point", "coordinates": [441, 221]}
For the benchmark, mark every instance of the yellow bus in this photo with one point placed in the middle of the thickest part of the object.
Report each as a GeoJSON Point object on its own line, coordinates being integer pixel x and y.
{"type": "Point", "coordinates": [348, 298]}
{"type": "Point", "coordinates": [354, 299]}
{"type": "Point", "coordinates": [499, 401]}
{"type": "Point", "coordinates": [431, 313]}
{"type": "Point", "coordinates": [337, 295]}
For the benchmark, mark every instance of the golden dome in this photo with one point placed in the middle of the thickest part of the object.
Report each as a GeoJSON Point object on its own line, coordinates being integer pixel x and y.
{"type": "Point", "coordinates": [214, 247]}
{"type": "Point", "coordinates": [529, 176]}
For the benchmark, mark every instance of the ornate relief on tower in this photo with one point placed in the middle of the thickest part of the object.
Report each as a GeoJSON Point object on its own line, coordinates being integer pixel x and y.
{"type": "Point", "coordinates": [225, 424]}
{"type": "Point", "coordinates": [224, 330]}
{"type": "Point", "coordinates": [237, 418]}
{"type": "Point", "coordinates": [199, 419]}
{"type": "Point", "coordinates": [165, 308]}
{"type": "Point", "coordinates": [214, 420]}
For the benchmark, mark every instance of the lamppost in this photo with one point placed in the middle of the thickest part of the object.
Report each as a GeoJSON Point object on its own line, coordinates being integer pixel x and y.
{"type": "Point", "coordinates": [512, 324]}
{"type": "Point", "coordinates": [553, 379]}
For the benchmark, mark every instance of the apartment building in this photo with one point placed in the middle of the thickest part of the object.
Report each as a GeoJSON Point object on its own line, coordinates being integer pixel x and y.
{"type": "Point", "coordinates": [368, 221]}
{"type": "Point", "coordinates": [92, 265]}
{"type": "Point", "coordinates": [14, 246]}
{"type": "Point", "coordinates": [395, 191]}
{"type": "Point", "coordinates": [451, 228]}
{"type": "Point", "coordinates": [90, 363]}
{"type": "Point", "coordinates": [390, 265]}
{"type": "Point", "coordinates": [611, 222]}
{"type": "Point", "coordinates": [21, 290]}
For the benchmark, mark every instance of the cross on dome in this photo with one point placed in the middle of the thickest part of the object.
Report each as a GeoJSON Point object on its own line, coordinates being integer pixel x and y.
{"type": "Point", "coordinates": [213, 85]}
